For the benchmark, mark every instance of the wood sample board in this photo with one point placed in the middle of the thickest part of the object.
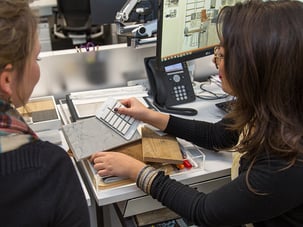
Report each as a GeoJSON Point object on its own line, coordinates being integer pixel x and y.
{"type": "Point", "coordinates": [161, 149]}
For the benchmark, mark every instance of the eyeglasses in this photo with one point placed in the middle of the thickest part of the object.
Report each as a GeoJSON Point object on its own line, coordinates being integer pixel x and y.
{"type": "Point", "coordinates": [217, 56]}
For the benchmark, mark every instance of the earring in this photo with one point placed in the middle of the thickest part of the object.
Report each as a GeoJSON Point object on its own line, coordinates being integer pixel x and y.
{"type": "Point", "coordinates": [11, 103]}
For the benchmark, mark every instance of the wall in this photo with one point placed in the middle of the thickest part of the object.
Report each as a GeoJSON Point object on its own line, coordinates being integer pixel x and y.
{"type": "Point", "coordinates": [111, 66]}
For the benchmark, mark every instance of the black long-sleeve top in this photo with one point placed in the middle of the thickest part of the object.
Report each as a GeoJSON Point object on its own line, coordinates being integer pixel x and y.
{"type": "Point", "coordinates": [40, 187]}
{"type": "Point", "coordinates": [278, 204]}
{"type": "Point", "coordinates": [204, 134]}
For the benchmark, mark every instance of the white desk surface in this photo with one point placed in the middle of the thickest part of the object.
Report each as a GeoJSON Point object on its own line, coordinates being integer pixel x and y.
{"type": "Point", "coordinates": [87, 196]}
{"type": "Point", "coordinates": [216, 164]}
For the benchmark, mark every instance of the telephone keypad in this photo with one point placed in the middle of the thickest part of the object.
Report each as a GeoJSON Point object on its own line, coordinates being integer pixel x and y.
{"type": "Point", "coordinates": [180, 92]}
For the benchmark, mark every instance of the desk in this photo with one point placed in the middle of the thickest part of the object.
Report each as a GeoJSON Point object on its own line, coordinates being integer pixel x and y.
{"type": "Point", "coordinates": [216, 173]}
{"type": "Point", "coordinates": [67, 71]}
{"type": "Point", "coordinates": [216, 164]}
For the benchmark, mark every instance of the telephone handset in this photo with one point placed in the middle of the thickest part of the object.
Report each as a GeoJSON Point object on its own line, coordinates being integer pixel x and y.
{"type": "Point", "coordinates": [170, 86]}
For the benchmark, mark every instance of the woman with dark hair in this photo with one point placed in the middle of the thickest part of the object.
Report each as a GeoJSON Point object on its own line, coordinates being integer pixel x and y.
{"type": "Point", "coordinates": [39, 184]}
{"type": "Point", "coordinates": [260, 62]}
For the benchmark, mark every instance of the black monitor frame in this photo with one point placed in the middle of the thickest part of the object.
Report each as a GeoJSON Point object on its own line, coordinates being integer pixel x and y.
{"type": "Point", "coordinates": [178, 56]}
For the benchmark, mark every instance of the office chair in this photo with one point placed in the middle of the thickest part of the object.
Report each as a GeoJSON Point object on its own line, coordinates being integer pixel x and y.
{"type": "Point", "coordinates": [72, 19]}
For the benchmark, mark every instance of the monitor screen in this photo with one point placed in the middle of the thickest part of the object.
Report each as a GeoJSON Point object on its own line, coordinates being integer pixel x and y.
{"type": "Point", "coordinates": [186, 30]}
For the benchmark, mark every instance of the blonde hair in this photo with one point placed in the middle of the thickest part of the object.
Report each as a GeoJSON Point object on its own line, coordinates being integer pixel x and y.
{"type": "Point", "coordinates": [18, 29]}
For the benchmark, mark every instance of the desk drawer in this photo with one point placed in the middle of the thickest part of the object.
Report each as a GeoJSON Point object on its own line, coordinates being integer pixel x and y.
{"type": "Point", "coordinates": [147, 203]}
{"type": "Point", "coordinates": [210, 185]}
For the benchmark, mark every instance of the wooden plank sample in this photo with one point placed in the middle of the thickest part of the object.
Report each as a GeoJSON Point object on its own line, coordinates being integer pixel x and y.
{"type": "Point", "coordinates": [133, 149]}
{"type": "Point", "coordinates": [162, 149]}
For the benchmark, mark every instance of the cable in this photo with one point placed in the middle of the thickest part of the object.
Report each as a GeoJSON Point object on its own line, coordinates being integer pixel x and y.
{"type": "Point", "coordinates": [211, 93]}
{"type": "Point", "coordinates": [179, 111]}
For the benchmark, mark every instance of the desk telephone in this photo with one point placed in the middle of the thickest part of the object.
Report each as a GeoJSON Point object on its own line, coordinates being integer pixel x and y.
{"type": "Point", "coordinates": [170, 86]}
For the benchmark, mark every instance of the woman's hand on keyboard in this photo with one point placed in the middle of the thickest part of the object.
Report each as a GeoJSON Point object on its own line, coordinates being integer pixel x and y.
{"type": "Point", "coordinates": [136, 109]}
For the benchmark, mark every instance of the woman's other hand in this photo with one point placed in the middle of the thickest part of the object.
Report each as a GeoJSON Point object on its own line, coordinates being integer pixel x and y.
{"type": "Point", "coordinates": [116, 164]}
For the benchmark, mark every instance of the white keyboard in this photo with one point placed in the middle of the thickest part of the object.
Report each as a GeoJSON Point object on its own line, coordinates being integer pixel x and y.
{"type": "Point", "coordinates": [124, 125]}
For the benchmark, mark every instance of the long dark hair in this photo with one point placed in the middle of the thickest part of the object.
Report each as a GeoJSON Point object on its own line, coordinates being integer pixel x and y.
{"type": "Point", "coordinates": [263, 54]}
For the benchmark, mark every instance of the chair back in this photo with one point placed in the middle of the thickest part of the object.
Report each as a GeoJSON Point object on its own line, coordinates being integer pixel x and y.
{"type": "Point", "coordinates": [75, 12]}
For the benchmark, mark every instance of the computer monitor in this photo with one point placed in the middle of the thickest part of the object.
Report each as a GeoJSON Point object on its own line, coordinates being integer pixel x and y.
{"type": "Point", "coordinates": [186, 30]}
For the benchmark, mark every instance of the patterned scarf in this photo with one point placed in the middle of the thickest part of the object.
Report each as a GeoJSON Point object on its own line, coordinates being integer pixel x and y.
{"type": "Point", "coordinates": [14, 132]}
